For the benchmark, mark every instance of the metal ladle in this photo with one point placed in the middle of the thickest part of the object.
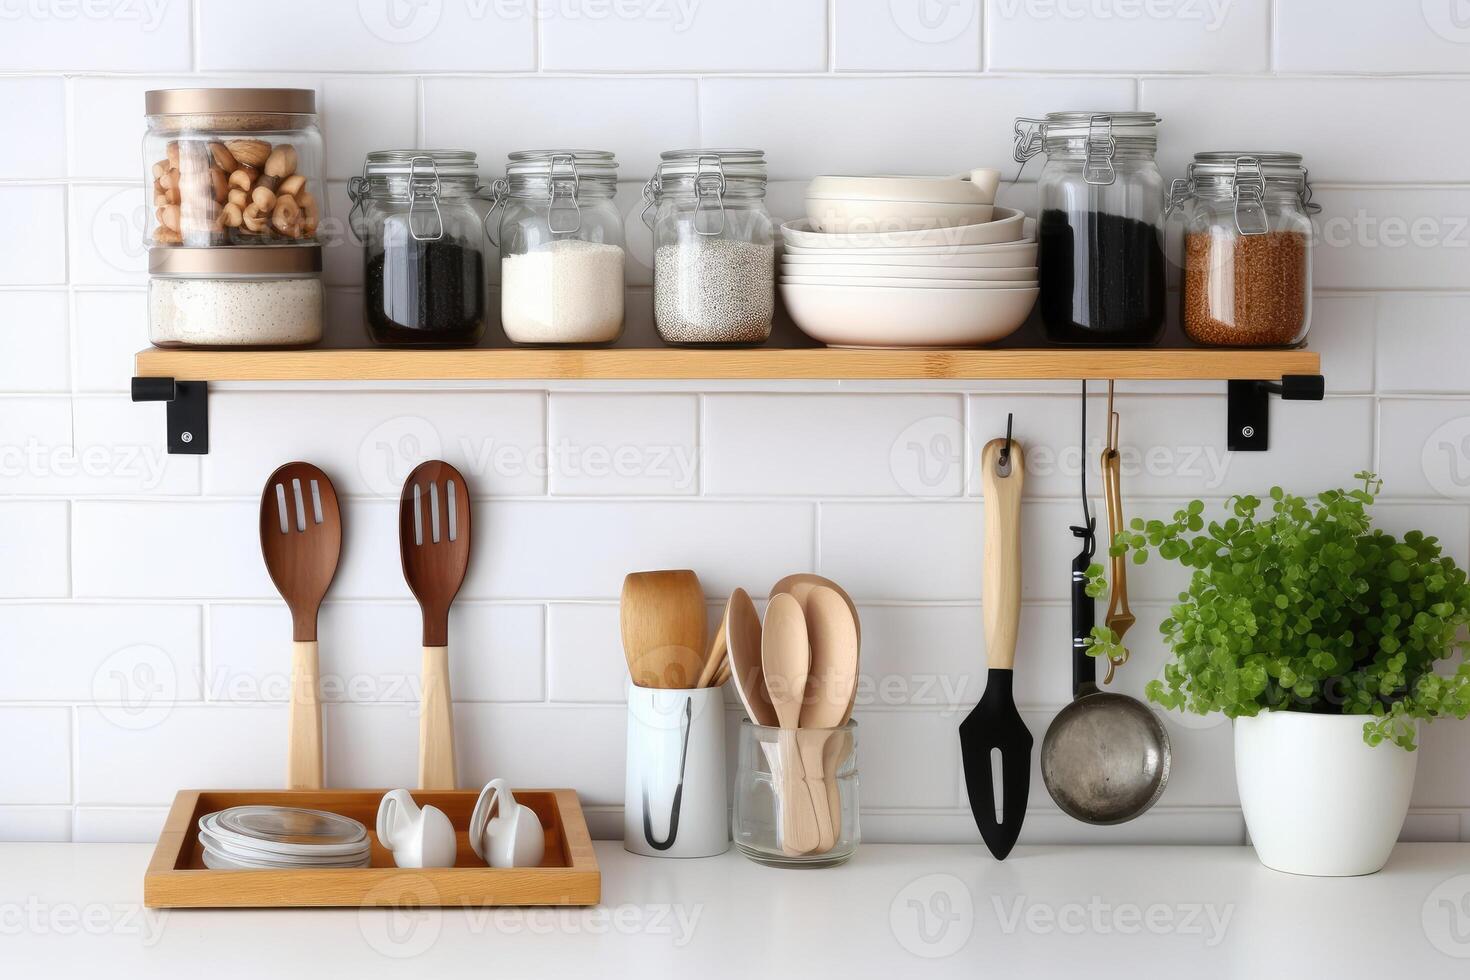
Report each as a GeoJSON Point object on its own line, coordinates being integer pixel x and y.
{"type": "Point", "coordinates": [1105, 758]}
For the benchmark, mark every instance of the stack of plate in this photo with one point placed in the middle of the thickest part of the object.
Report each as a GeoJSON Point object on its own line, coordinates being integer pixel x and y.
{"type": "Point", "coordinates": [937, 287]}
{"type": "Point", "coordinates": [282, 837]}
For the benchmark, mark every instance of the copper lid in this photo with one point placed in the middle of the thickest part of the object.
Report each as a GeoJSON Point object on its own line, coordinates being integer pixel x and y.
{"type": "Point", "coordinates": [235, 260]}
{"type": "Point", "coordinates": [175, 101]}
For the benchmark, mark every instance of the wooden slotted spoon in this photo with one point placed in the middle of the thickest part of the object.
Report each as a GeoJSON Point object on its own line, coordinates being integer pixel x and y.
{"type": "Point", "coordinates": [434, 542]}
{"type": "Point", "coordinates": [301, 539]}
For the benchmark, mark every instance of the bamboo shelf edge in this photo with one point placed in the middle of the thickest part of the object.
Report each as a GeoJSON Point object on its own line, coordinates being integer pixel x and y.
{"type": "Point", "coordinates": [767, 364]}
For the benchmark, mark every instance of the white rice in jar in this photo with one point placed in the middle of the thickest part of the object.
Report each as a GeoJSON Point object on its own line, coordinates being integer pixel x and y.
{"type": "Point", "coordinates": [570, 292]}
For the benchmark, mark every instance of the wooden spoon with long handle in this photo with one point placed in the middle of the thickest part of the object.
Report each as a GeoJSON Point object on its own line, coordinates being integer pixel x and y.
{"type": "Point", "coordinates": [663, 621]}
{"type": "Point", "coordinates": [743, 633]}
{"type": "Point", "coordinates": [832, 632]}
{"type": "Point", "coordinates": [786, 662]}
{"type": "Point", "coordinates": [434, 542]}
{"type": "Point", "coordinates": [301, 539]}
{"type": "Point", "coordinates": [718, 652]}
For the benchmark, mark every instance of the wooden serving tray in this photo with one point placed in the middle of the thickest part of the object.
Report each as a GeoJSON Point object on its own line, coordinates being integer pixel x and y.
{"type": "Point", "coordinates": [568, 875]}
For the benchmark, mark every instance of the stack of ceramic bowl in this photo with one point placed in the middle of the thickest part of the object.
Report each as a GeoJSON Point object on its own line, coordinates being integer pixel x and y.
{"type": "Point", "coordinates": [908, 262]}
{"type": "Point", "coordinates": [280, 837]}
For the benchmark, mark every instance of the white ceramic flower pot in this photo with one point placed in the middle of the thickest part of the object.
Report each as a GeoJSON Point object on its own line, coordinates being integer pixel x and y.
{"type": "Point", "coordinates": [1318, 800]}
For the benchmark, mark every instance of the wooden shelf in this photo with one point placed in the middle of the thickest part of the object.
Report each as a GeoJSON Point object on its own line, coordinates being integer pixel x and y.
{"type": "Point", "coordinates": [626, 364]}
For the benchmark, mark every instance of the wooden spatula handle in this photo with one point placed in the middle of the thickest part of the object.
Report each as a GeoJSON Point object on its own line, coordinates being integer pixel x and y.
{"type": "Point", "coordinates": [436, 722]}
{"type": "Point", "coordinates": [1001, 588]}
{"type": "Point", "coordinates": [304, 726]}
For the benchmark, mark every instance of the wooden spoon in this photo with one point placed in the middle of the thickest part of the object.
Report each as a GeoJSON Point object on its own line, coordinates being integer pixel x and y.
{"type": "Point", "coordinates": [718, 653]}
{"type": "Point", "coordinates": [663, 625]}
{"type": "Point", "coordinates": [832, 632]}
{"type": "Point", "coordinates": [743, 633]}
{"type": "Point", "coordinates": [786, 662]}
{"type": "Point", "coordinates": [800, 586]}
{"type": "Point", "coordinates": [301, 539]}
{"type": "Point", "coordinates": [434, 542]}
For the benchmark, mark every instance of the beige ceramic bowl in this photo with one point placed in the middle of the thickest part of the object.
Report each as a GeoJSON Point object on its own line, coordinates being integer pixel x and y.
{"type": "Point", "coordinates": [908, 283]}
{"type": "Point", "coordinates": [838, 204]}
{"type": "Point", "coordinates": [877, 316]}
{"type": "Point", "coordinates": [1007, 226]}
{"type": "Point", "coordinates": [1012, 255]}
{"type": "Point", "coordinates": [939, 273]}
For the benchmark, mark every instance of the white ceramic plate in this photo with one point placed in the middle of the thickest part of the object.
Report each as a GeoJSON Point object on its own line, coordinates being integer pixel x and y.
{"type": "Point", "coordinates": [936, 272]}
{"type": "Point", "coordinates": [871, 282]}
{"type": "Point", "coordinates": [835, 216]}
{"type": "Point", "coordinates": [1008, 226]}
{"type": "Point", "coordinates": [1012, 255]}
{"type": "Point", "coordinates": [843, 316]}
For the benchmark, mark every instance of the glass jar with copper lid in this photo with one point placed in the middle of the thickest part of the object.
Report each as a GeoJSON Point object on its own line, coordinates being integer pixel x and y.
{"type": "Point", "coordinates": [232, 167]}
{"type": "Point", "coordinates": [232, 297]}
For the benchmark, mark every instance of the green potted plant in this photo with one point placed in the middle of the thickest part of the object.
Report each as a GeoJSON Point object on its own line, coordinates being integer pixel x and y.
{"type": "Point", "coordinates": [1327, 642]}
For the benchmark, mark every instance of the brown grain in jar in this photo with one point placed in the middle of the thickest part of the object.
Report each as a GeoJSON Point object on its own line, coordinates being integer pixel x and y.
{"type": "Point", "coordinates": [1246, 290]}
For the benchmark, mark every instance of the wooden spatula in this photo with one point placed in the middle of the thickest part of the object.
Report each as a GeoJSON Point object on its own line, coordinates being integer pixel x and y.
{"type": "Point", "coordinates": [434, 541]}
{"type": "Point", "coordinates": [301, 539]}
{"type": "Point", "coordinates": [995, 724]}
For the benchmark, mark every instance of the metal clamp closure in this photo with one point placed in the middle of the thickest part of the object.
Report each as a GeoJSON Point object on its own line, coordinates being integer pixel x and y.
{"type": "Point", "coordinates": [709, 195]}
{"type": "Point", "coordinates": [1097, 159]}
{"type": "Point", "coordinates": [423, 195]}
{"type": "Point", "coordinates": [1180, 188]}
{"type": "Point", "coordinates": [652, 188]}
{"type": "Point", "coordinates": [1250, 197]}
{"type": "Point", "coordinates": [1029, 137]}
{"type": "Point", "coordinates": [564, 218]}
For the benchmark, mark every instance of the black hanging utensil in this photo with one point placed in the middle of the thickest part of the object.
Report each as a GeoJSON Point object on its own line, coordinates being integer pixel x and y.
{"type": "Point", "coordinates": [995, 724]}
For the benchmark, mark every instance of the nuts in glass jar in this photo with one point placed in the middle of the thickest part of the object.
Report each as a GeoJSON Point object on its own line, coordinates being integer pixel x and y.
{"type": "Point", "coordinates": [231, 192]}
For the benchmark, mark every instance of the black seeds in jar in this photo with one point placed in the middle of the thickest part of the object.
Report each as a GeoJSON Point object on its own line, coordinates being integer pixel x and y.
{"type": "Point", "coordinates": [426, 293]}
{"type": "Point", "coordinates": [1101, 278]}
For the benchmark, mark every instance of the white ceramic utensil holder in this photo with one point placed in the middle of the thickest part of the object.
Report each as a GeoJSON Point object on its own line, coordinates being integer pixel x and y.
{"type": "Point", "coordinates": [676, 798]}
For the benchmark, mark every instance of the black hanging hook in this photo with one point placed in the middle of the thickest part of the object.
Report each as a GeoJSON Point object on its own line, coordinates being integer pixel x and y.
{"type": "Point", "coordinates": [1005, 451]}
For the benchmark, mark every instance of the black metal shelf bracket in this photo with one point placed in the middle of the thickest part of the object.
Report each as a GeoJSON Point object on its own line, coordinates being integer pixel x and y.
{"type": "Point", "coordinates": [188, 411]}
{"type": "Point", "coordinates": [1248, 411]}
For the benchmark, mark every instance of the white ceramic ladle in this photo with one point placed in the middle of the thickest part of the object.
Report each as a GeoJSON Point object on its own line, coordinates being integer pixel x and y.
{"type": "Point", "coordinates": [503, 832]}
{"type": "Point", "coordinates": [418, 837]}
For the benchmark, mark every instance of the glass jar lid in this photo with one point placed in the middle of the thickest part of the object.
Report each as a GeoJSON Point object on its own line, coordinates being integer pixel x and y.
{"type": "Point", "coordinates": [1246, 176]}
{"type": "Point", "coordinates": [221, 261]}
{"type": "Point", "coordinates": [711, 176]}
{"type": "Point", "coordinates": [420, 177]}
{"type": "Point", "coordinates": [1096, 136]}
{"type": "Point", "coordinates": [203, 101]}
{"type": "Point", "coordinates": [556, 179]}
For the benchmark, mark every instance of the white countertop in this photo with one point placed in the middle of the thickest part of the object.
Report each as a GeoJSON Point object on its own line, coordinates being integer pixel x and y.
{"type": "Point", "coordinates": [895, 910]}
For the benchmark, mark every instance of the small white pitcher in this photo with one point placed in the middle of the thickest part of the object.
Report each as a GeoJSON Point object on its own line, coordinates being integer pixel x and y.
{"type": "Point", "coordinates": [513, 837]}
{"type": "Point", "coordinates": [418, 838]}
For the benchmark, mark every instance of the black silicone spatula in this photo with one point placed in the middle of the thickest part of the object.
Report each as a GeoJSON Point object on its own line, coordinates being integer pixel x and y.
{"type": "Point", "coordinates": [995, 723]}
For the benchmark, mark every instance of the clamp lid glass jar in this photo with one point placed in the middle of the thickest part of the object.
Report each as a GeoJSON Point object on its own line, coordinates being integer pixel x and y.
{"type": "Point", "coordinates": [561, 248]}
{"type": "Point", "coordinates": [714, 247]}
{"type": "Point", "coordinates": [1247, 248]}
{"type": "Point", "coordinates": [232, 166]}
{"type": "Point", "coordinates": [1102, 198]}
{"type": "Point", "coordinates": [424, 256]}
{"type": "Point", "coordinates": [235, 297]}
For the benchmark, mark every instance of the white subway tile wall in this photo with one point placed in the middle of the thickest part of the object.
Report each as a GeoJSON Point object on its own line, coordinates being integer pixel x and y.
{"type": "Point", "coordinates": [143, 649]}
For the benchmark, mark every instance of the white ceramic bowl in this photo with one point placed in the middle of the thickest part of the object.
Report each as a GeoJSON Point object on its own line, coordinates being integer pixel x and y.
{"type": "Point", "coordinates": [939, 273]}
{"type": "Point", "coordinates": [1008, 226]}
{"type": "Point", "coordinates": [835, 216]}
{"type": "Point", "coordinates": [866, 282]}
{"type": "Point", "coordinates": [877, 316]}
{"type": "Point", "coordinates": [1012, 255]}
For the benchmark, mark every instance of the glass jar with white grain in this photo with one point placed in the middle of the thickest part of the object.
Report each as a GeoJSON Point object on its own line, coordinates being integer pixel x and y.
{"type": "Point", "coordinates": [232, 297]}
